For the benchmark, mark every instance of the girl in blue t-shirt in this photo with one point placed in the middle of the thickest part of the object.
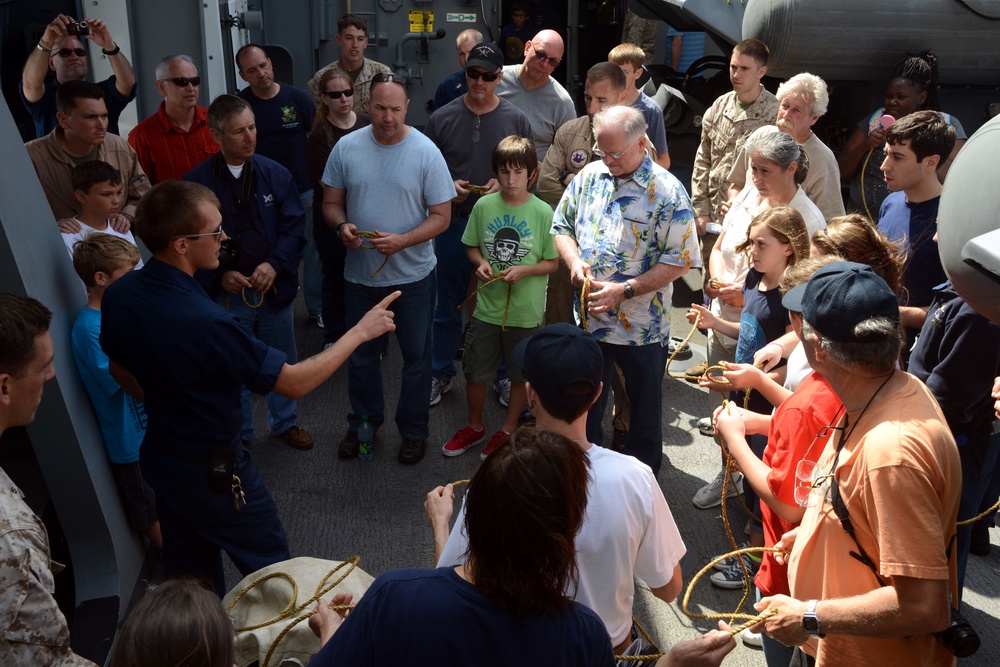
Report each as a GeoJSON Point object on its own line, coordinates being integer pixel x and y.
{"type": "Point", "coordinates": [776, 239]}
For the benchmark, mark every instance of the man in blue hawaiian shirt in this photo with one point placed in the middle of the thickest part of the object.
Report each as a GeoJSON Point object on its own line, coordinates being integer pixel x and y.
{"type": "Point", "coordinates": [626, 225]}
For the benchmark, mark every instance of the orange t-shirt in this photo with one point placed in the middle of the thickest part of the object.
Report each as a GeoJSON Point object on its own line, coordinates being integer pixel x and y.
{"type": "Point", "coordinates": [900, 478]}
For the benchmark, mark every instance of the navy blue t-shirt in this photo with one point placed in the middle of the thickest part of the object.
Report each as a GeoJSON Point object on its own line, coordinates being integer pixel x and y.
{"type": "Point", "coordinates": [764, 319]}
{"type": "Point", "coordinates": [283, 125]}
{"type": "Point", "coordinates": [434, 617]}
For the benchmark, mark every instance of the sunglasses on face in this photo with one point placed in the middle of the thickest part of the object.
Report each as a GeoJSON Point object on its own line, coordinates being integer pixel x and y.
{"type": "Point", "coordinates": [66, 53]}
{"type": "Point", "coordinates": [488, 77]}
{"type": "Point", "coordinates": [337, 94]}
{"type": "Point", "coordinates": [183, 81]}
{"type": "Point", "coordinates": [540, 55]}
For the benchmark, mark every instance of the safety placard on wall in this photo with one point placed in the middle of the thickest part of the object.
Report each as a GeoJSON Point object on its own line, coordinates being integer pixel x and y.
{"type": "Point", "coordinates": [417, 20]}
{"type": "Point", "coordinates": [460, 18]}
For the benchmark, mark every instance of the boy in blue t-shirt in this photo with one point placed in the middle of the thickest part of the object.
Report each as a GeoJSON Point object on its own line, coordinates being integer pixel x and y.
{"type": "Point", "coordinates": [99, 260]}
{"type": "Point", "coordinates": [509, 244]}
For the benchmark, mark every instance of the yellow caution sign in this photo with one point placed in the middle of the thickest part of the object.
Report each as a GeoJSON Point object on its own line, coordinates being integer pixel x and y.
{"type": "Point", "coordinates": [421, 21]}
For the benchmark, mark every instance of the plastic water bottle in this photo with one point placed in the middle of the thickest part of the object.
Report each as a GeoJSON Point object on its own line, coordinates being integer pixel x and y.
{"type": "Point", "coordinates": [366, 440]}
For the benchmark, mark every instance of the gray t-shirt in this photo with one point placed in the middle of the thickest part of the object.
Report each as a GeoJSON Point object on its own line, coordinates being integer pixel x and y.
{"type": "Point", "coordinates": [469, 151]}
{"type": "Point", "coordinates": [547, 107]}
{"type": "Point", "coordinates": [388, 189]}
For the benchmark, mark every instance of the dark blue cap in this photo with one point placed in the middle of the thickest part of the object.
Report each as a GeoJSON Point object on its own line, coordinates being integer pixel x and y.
{"type": "Point", "coordinates": [557, 356]}
{"type": "Point", "coordinates": [840, 296]}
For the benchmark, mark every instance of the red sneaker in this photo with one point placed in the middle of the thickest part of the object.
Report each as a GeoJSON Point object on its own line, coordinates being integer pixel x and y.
{"type": "Point", "coordinates": [495, 440]}
{"type": "Point", "coordinates": [461, 441]}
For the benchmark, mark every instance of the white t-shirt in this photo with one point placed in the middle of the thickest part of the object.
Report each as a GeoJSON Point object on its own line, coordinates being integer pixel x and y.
{"type": "Point", "coordinates": [85, 231]}
{"type": "Point", "coordinates": [627, 530]}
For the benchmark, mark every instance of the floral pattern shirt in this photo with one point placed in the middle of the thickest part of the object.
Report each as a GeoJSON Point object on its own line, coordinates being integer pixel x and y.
{"type": "Point", "coordinates": [623, 229]}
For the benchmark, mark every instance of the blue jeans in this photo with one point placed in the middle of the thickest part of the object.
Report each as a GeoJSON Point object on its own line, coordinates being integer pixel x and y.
{"type": "Point", "coordinates": [978, 454]}
{"type": "Point", "coordinates": [454, 271]}
{"type": "Point", "coordinates": [274, 328]}
{"type": "Point", "coordinates": [312, 277]}
{"type": "Point", "coordinates": [776, 654]}
{"type": "Point", "coordinates": [412, 316]}
{"type": "Point", "coordinates": [642, 366]}
{"type": "Point", "coordinates": [332, 256]}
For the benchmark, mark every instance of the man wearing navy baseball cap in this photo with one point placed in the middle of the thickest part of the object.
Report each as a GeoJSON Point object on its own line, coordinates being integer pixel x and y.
{"type": "Point", "coordinates": [628, 529]}
{"type": "Point", "coordinates": [892, 470]}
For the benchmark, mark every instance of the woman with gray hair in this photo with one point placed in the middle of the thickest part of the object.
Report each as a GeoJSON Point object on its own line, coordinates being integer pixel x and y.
{"type": "Point", "coordinates": [778, 166]}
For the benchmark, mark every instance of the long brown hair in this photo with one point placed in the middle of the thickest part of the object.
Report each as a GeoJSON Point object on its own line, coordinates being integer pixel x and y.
{"type": "Point", "coordinates": [524, 507]}
{"type": "Point", "coordinates": [787, 226]}
{"type": "Point", "coordinates": [322, 111]}
{"type": "Point", "coordinates": [855, 238]}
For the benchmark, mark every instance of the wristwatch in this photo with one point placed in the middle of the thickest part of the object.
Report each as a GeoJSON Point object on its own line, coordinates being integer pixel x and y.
{"type": "Point", "coordinates": [629, 290]}
{"type": "Point", "coordinates": [810, 621]}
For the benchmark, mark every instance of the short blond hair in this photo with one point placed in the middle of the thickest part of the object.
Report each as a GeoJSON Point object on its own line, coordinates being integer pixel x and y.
{"type": "Point", "coordinates": [101, 252]}
{"type": "Point", "coordinates": [631, 54]}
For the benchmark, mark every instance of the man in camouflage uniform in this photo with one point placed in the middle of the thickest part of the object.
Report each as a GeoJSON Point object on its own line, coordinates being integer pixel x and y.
{"type": "Point", "coordinates": [352, 37]}
{"type": "Point", "coordinates": [724, 128]}
{"type": "Point", "coordinates": [33, 630]}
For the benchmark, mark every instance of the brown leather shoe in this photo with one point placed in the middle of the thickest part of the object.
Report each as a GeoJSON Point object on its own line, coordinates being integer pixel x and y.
{"type": "Point", "coordinates": [692, 374]}
{"type": "Point", "coordinates": [296, 437]}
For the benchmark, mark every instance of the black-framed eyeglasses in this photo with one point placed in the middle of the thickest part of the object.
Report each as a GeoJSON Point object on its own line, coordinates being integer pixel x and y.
{"type": "Point", "coordinates": [217, 232]}
{"type": "Point", "coordinates": [488, 77]}
{"type": "Point", "coordinates": [388, 77]}
{"type": "Point", "coordinates": [541, 55]}
{"type": "Point", "coordinates": [183, 81]}
{"type": "Point", "coordinates": [337, 94]}
{"type": "Point", "coordinates": [475, 129]}
{"type": "Point", "coordinates": [617, 156]}
{"type": "Point", "coordinates": [66, 53]}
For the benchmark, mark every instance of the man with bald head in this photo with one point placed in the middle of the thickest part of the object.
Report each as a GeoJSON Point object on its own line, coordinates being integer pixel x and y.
{"type": "Point", "coordinates": [625, 225]}
{"type": "Point", "coordinates": [64, 54]}
{"type": "Point", "coordinates": [531, 88]}
{"type": "Point", "coordinates": [176, 138]}
{"type": "Point", "coordinates": [454, 85]}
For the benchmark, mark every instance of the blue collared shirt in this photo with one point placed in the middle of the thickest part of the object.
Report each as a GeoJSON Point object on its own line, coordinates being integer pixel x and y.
{"type": "Point", "coordinates": [189, 355]}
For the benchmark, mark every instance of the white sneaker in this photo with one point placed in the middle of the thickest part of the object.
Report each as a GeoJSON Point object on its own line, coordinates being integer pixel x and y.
{"type": "Point", "coordinates": [751, 638]}
{"type": "Point", "coordinates": [710, 495]}
{"type": "Point", "coordinates": [502, 388]}
{"type": "Point", "coordinates": [705, 426]}
{"type": "Point", "coordinates": [439, 387]}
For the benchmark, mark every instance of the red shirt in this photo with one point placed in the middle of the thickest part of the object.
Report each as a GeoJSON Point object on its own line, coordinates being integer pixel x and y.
{"type": "Point", "coordinates": [165, 151]}
{"type": "Point", "coordinates": [792, 437]}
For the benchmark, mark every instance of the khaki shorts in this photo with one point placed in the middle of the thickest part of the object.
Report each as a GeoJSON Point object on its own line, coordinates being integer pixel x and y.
{"type": "Point", "coordinates": [486, 345]}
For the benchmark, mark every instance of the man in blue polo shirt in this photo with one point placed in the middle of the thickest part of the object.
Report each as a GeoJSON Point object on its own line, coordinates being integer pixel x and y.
{"type": "Point", "coordinates": [191, 358]}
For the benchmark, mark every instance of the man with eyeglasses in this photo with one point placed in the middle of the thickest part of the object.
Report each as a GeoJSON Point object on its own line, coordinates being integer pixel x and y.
{"type": "Point", "coordinates": [284, 116]}
{"type": "Point", "coordinates": [871, 591]}
{"type": "Point", "coordinates": [352, 38]}
{"type": "Point", "coordinates": [625, 227]}
{"type": "Point", "coordinates": [64, 54]}
{"type": "Point", "coordinates": [466, 131]}
{"type": "Point", "coordinates": [391, 182]}
{"type": "Point", "coordinates": [258, 278]}
{"type": "Point", "coordinates": [82, 135]}
{"type": "Point", "coordinates": [175, 139]}
{"type": "Point", "coordinates": [454, 85]}
{"type": "Point", "coordinates": [192, 358]}
{"type": "Point", "coordinates": [531, 88]}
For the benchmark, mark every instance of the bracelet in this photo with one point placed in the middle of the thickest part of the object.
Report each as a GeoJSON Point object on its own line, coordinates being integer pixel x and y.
{"type": "Point", "coordinates": [42, 48]}
{"type": "Point", "coordinates": [341, 224]}
{"type": "Point", "coordinates": [780, 346]}
{"type": "Point", "coordinates": [113, 52]}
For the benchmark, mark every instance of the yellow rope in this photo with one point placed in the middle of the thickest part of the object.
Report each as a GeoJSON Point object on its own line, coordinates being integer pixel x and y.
{"type": "Point", "coordinates": [290, 609]}
{"type": "Point", "coordinates": [253, 306]}
{"type": "Point", "coordinates": [584, 296]}
{"type": "Point", "coordinates": [687, 339]}
{"type": "Point", "coordinates": [649, 640]}
{"type": "Point", "coordinates": [751, 619]}
{"type": "Point", "coordinates": [476, 189]}
{"type": "Point", "coordinates": [373, 235]}
{"type": "Point", "coordinates": [493, 278]}
{"type": "Point", "coordinates": [979, 516]}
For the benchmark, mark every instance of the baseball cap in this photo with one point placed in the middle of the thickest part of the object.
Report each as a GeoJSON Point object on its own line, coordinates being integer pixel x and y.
{"type": "Point", "coordinates": [840, 296]}
{"type": "Point", "coordinates": [557, 356]}
{"type": "Point", "coordinates": [485, 55]}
